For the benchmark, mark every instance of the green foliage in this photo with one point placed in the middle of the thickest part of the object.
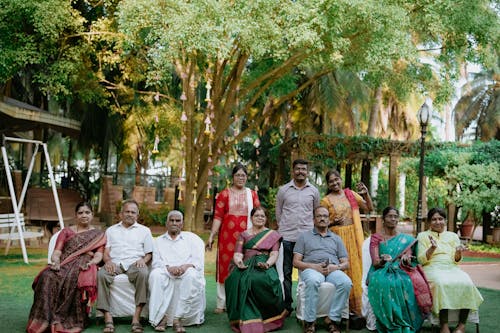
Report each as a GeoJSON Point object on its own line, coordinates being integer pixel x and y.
{"type": "Point", "coordinates": [437, 192]}
{"type": "Point", "coordinates": [478, 187]}
{"type": "Point", "coordinates": [153, 216]}
{"type": "Point", "coordinates": [269, 202]}
{"type": "Point", "coordinates": [484, 248]}
{"type": "Point", "coordinates": [485, 152]}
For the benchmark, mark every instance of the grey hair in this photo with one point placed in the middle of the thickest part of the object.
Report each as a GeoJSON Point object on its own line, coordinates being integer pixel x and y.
{"type": "Point", "coordinates": [175, 212]}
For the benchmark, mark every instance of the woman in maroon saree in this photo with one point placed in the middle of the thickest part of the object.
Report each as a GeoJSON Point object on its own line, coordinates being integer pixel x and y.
{"type": "Point", "coordinates": [64, 290]}
{"type": "Point", "coordinates": [254, 298]}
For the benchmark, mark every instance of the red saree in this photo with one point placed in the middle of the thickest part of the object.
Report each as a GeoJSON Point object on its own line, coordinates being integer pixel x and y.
{"type": "Point", "coordinates": [61, 298]}
{"type": "Point", "coordinates": [232, 210]}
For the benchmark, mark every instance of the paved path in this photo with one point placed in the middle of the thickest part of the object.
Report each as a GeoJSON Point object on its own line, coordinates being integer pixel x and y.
{"type": "Point", "coordinates": [486, 275]}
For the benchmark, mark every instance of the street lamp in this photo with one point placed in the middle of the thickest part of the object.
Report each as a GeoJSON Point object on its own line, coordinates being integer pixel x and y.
{"type": "Point", "coordinates": [424, 115]}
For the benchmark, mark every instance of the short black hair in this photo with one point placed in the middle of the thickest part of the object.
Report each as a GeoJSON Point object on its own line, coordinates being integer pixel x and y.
{"type": "Point", "coordinates": [300, 161]}
{"type": "Point", "coordinates": [435, 210]}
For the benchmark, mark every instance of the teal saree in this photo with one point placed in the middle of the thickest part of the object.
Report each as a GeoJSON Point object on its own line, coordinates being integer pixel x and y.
{"type": "Point", "coordinates": [390, 289]}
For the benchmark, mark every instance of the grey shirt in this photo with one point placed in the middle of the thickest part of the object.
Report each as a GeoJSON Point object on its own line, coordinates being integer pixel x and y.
{"type": "Point", "coordinates": [316, 248]}
{"type": "Point", "coordinates": [294, 209]}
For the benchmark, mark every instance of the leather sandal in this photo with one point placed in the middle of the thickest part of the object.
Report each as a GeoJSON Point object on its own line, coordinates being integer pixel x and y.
{"type": "Point", "coordinates": [309, 327]}
{"type": "Point", "coordinates": [137, 328]}
{"type": "Point", "coordinates": [177, 326]}
{"type": "Point", "coordinates": [109, 327]}
{"type": "Point", "coordinates": [162, 325]}
{"type": "Point", "coordinates": [333, 328]}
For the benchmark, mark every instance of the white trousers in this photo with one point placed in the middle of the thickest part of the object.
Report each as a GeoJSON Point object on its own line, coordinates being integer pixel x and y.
{"type": "Point", "coordinates": [221, 296]}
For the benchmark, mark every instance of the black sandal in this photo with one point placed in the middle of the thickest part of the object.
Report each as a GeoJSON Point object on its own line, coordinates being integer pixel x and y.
{"type": "Point", "coordinates": [309, 327]}
{"type": "Point", "coordinates": [332, 327]}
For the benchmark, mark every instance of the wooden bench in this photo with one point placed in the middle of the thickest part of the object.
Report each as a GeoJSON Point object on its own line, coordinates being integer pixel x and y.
{"type": "Point", "coordinates": [10, 232]}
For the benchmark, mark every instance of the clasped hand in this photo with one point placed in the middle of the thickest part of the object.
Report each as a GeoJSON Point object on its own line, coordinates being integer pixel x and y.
{"type": "Point", "coordinates": [263, 265]}
{"type": "Point", "coordinates": [406, 259]}
{"type": "Point", "coordinates": [176, 270]}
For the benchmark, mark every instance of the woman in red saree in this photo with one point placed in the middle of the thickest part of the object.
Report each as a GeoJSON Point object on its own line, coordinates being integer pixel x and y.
{"type": "Point", "coordinates": [64, 290]}
{"type": "Point", "coordinates": [232, 212]}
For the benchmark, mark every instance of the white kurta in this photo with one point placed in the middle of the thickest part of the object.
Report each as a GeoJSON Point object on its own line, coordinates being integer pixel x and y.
{"type": "Point", "coordinates": [178, 297]}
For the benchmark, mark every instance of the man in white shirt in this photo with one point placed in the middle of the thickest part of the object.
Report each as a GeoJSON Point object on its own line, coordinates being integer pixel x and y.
{"type": "Point", "coordinates": [128, 251]}
{"type": "Point", "coordinates": [177, 276]}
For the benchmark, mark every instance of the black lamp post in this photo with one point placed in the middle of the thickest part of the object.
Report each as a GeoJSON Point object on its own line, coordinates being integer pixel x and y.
{"type": "Point", "coordinates": [424, 115]}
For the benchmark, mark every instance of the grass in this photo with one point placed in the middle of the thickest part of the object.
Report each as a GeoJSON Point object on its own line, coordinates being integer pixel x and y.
{"type": "Point", "coordinates": [16, 298]}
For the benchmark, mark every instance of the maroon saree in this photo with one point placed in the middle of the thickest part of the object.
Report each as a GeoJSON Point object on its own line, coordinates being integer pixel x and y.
{"type": "Point", "coordinates": [61, 298]}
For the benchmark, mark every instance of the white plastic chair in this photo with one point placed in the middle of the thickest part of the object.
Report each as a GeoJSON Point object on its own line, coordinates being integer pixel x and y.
{"type": "Point", "coordinates": [52, 246]}
{"type": "Point", "coordinates": [366, 310]}
{"type": "Point", "coordinates": [326, 293]}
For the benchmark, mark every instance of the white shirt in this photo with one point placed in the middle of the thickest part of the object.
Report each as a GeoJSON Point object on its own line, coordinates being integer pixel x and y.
{"type": "Point", "coordinates": [178, 251]}
{"type": "Point", "coordinates": [127, 245]}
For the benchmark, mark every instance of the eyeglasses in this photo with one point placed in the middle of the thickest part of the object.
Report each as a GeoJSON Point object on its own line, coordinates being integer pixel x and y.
{"type": "Point", "coordinates": [240, 175]}
{"type": "Point", "coordinates": [322, 215]}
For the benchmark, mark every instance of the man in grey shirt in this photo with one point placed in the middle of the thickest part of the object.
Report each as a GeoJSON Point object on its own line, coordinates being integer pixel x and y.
{"type": "Point", "coordinates": [295, 203]}
{"type": "Point", "coordinates": [320, 256]}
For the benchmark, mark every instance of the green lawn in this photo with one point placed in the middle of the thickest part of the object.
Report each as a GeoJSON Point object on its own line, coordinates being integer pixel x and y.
{"type": "Point", "coordinates": [16, 298]}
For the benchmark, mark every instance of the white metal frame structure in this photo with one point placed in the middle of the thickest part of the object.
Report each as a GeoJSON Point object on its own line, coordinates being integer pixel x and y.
{"type": "Point", "coordinates": [18, 205]}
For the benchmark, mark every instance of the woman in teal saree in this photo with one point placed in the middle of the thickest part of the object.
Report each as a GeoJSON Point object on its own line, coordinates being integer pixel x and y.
{"type": "Point", "coordinates": [390, 289]}
{"type": "Point", "coordinates": [254, 299]}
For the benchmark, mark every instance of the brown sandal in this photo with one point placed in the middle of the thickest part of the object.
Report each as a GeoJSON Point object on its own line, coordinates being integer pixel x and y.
{"type": "Point", "coordinates": [137, 328]}
{"type": "Point", "coordinates": [109, 327]}
{"type": "Point", "coordinates": [177, 326]}
{"type": "Point", "coordinates": [162, 325]}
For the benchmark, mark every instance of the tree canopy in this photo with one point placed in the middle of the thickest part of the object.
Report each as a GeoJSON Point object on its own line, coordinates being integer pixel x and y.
{"type": "Point", "coordinates": [218, 71]}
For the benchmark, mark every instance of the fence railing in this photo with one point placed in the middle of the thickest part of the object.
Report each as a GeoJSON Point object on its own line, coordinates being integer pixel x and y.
{"type": "Point", "coordinates": [88, 184]}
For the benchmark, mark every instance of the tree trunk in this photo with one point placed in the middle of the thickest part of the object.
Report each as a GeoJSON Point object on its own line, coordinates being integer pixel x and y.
{"type": "Point", "coordinates": [375, 111]}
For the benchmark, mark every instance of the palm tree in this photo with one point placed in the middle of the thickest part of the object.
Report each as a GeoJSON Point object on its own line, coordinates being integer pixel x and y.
{"type": "Point", "coordinates": [480, 105]}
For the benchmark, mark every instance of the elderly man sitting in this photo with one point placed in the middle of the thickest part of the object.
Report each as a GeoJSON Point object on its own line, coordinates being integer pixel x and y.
{"type": "Point", "coordinates": [321, 256]}
{"type": "Point", "coordinates": [177, 282]}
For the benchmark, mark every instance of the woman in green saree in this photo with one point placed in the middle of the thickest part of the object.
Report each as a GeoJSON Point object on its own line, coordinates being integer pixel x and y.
{"type": "Point", "coordinates": [254, 298]}
{"type": "Point", "coordinates": [390, 289]}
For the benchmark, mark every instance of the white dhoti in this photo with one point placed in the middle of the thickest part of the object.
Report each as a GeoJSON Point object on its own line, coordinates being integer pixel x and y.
{"type": "Point", "coordinates": [180, 298]}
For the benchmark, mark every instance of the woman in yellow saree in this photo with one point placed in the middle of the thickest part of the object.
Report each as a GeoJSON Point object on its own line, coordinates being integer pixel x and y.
{"type": "Point", "coordinates": [343, 206]}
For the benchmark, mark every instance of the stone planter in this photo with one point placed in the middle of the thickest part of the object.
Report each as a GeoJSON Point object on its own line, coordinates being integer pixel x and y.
{"type": "Point", "coordinates": [496, 235]}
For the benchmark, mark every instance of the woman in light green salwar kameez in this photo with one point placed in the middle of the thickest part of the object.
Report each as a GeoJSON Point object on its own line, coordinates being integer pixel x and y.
{"type": "Point", "coordinates": [439, 252]}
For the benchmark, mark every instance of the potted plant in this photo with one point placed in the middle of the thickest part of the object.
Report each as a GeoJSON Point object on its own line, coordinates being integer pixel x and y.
{"type": "Point", "coordinates": [495, 223]}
